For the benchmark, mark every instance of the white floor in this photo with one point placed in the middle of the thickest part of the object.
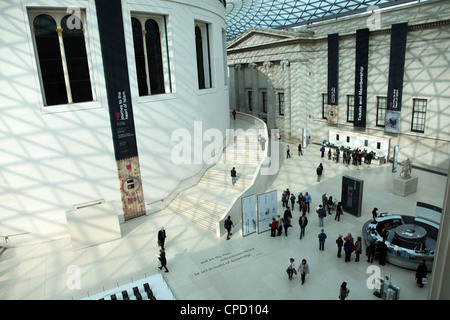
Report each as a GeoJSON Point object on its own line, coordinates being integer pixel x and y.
{"type": "Point", "coordinates": [204, 267]}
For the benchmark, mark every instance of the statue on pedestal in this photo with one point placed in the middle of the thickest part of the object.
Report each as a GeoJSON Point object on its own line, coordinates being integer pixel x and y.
{"type": "Point", "coordinates": [406, 170]}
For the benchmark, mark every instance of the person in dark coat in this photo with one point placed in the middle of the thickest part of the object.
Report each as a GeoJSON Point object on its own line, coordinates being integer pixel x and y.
{"type": "Point", "coordinates": [162, 259]}
{"type": "Point", "coordinates": [339, 243]}
{"type": "Point", "coordinates": [319, 171]}
{"type": "Point", "coordinates": [370, 252]}
{"type": "Point", "coordinates": [228, 225]}
{"type": "Point", "coordinates": [303, 222]}
{"type": "Point", "coordinates": [421, 273]}
{"type": "Point", "coordinates": [382, 251]}
{"type": "Point", "coordinates": [161, 238]}
{"type": "Point", "coordinates": [287, 220]}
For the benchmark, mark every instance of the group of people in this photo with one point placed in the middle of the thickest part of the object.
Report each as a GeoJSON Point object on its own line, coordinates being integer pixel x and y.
{"type": "Point", "coordinates": [303, 269]}
{"type": "Point", "coordinates": [303, 201]}
{"type": "Point", "coordinates": [349, 245]}
{"type": "Point", "coordinates": [355, 156]}
{"type": "Point", "coordinates": [162, 261]}
{"type": "Point", "coordinates": [288, 151]}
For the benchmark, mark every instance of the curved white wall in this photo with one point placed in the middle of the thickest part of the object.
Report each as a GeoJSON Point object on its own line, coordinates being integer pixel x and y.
{"type": "Point", "coordinates": [54, 158]}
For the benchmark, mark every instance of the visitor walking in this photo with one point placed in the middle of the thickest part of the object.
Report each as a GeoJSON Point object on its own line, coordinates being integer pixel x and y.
{"type": "Point", "coordinates": [284, 199]}
{"type": "Point", "coordinates": [358, 248]}
{"type": "Point", "coordinates": [287, 220]}
{"type": "Point", "coordinates": [291, 268]}
{"type": "Point", "coordinates": [421, 273]}
{"type": "Point", "coordinates": [233, 176]}
{"type": "Point", "coordinates": [280, 226]}
{"type": "Point", "coordinates": [288, 152]}
{"type": "Point", "coordinates": [273, 227]}
{"type": "Point", "coordinates": [343, 291]}
{"type": "Point", "coordinates": [161, 237]}
{"type": "Point", "coordinates": [228, 225]}
{"type": "Point", "coordinates": [382, 251]}
{"type": "Point", "coordinates": [162, 259]}
{"type": "Point", "coordinates": [348, 248]}
{"type": "Point", "coordinates": [370, 252]}
{"type": "Point", "coordinates": [340, 244]}
{"type": "Point", "coordinates": [303, 222]}
{"type": "Point", "coordinates": [308, 200]}
{"type": "Point", "coordinates": [300, 153]}
{"type": "Point", "coordinates": [321, 214]}
{"type": "Point", "coordinates": [338, 211]}
{"type": "Point", "coordinates": [303, 269]}
{"type": "Point", "coordinates": [292, 200]}
{"type": "Point", "coordinates": [322, 237]}
{"type": "Point", "coordinates": [319, 172]}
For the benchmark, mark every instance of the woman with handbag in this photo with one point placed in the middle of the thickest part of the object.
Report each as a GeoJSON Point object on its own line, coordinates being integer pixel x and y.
{"type": "Point", "coordinates": [303, 269]}
{"type": "Point", "coordinates": [291, 268]}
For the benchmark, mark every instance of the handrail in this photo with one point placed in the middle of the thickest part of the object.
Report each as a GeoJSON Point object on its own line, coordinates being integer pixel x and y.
{"type": "Point", "coordinates": [219, 229]}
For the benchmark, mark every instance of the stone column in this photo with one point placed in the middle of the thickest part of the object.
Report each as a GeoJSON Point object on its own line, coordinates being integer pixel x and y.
{"type": "Point", "coordinates": [255, 89]}
{"type": "Point", "coordinates": [440, 282]}
{"type": "Point", "coordinates": [232, 93]}
{"type": "Point", "coordinates": [240, 92]}
{"type": "Point", "coordinates": [287, 99]}
{"type": "Point", "coordinates": [271, 105]}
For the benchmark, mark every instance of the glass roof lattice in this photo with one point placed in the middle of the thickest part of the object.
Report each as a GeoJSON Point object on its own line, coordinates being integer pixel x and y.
{"type": "Point", "coordinates": [242, 15]}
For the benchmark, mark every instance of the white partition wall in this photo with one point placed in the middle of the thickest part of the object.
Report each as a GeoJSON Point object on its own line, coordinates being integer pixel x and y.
{"type": "Point", "coordinates": [93, 225]}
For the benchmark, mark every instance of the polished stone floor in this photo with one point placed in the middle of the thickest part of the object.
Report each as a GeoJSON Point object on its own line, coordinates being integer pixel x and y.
{"type": "Point", "coordinates": [205, 267]}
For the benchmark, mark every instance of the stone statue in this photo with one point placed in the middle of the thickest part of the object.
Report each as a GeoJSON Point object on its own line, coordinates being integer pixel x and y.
{"type": "Point", "coordinates": [406, 170]}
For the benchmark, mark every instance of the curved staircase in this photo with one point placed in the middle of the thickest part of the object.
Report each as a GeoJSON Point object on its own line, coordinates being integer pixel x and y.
{"type": "Point", "coordinates": [206, 202]}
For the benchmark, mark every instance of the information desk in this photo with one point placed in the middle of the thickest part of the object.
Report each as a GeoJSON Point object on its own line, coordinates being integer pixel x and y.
{"type": "Point", "coordinates": [401, 240]}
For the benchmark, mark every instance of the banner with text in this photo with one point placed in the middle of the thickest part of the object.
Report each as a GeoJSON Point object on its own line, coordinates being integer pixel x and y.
{"type": "Point", "coordinates": [361, 70]}
{"type": "Point", "coordinates": [396, 71]}
{"type": "Point", "coordinates": [112, 41]}
{"type": "Point", "coordinates": [333, 68]}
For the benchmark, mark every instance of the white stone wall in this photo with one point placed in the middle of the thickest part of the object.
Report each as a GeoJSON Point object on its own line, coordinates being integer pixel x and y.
{"type": "Point", "coordinates": [426, 76]}
{"type": "Point", "coordinates": [54, 158]}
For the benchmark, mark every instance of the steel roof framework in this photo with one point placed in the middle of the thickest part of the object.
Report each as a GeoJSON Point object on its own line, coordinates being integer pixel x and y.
{"type": "Point", "coordinates": [242, 15]}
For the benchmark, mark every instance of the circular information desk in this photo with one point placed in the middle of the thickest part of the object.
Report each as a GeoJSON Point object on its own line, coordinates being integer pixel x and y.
{"type": "Point", "coordinates": [411, 234]}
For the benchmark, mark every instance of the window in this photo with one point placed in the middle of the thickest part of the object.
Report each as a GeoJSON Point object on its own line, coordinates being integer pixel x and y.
{"type": "Point", "coordinates": [350, 107]}
{"type": "Point", "coordinates": [281, 103]}
{"type": "Point", "coordinates": [62, 57]}
{"type": "Point", "coordinates": [264, 101]}
{"type": "Point", "coordinates": [419, 115]}
{"type": "Point", "coordinates": [202, 49]}
{"type": "Point", "coordinates": [249, 100]}
{"type": "Point", "coordinates": [324, 106]}
{"type": "Point", "coordinates": [150, 52]}
{"type": "Point", "coordinates": [381, 111]}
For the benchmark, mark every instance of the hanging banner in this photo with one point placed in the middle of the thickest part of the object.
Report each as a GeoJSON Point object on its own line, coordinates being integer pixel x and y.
{"type": "Point", "coordinates": [115, 65]}
{"type": "Point", "coordinates": [333, 68]}
{"type": "Point", "coordinates": [396, 71]}
{"type": "Point", "coordinates": [361, 70]}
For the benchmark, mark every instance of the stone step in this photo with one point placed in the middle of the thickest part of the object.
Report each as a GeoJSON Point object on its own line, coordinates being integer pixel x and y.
{"type": "Point", "coordinates": [205, 222]}
{"type": "Point", "coordinates": [187, 201]}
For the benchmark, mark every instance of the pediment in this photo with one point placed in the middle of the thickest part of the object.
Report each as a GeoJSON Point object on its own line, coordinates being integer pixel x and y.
{"type": "Point", "coordinates": [255, 37]}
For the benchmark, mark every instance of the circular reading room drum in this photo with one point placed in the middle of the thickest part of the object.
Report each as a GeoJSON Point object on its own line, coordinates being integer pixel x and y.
{"type": "Point", "coordinates": [410, 235]}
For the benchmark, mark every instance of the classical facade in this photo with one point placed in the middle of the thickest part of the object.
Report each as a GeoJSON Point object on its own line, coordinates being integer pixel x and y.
{"type": "Point", "coordinates": [281, 76]}
{"type": "Point", "coordinates": [68, 138]}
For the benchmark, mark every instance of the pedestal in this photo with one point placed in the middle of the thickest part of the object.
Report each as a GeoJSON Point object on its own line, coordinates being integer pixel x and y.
{"type": "Point", "coordinates": [404, 187]}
